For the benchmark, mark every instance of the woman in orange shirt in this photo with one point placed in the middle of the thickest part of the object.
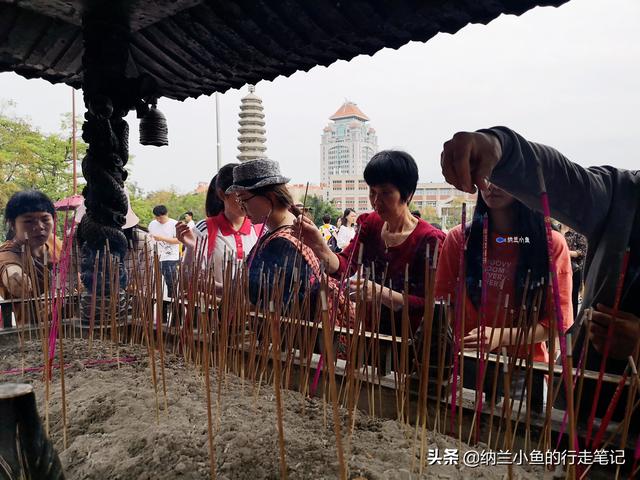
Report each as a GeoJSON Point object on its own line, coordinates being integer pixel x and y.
{"type": "Point", "coordinates": [516, 246]}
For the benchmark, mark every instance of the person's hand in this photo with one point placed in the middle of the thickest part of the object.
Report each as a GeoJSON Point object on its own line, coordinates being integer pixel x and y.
{"type": "Point", "coordinates": [468, 160]}
{"type": "Point", "coordinates": [310, 235]}
{"type": "Point", "coordinates": [626, 332]}
{"type": "Point", "coordinates": [372, 288]}
{"type": "Point", "coordinates": [16, 282]}
{"type": "Point", "coordinates": [474, 339]}
{"type": "Point", "coordinates": [185, 235]}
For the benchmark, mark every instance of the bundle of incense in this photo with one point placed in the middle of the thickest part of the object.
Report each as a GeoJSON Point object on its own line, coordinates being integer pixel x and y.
{"type": "Point", "coordinates": [62, 261]}
{"type": "Point", "coordinates": [636, 459]}
{"type": "Point", "coordinates": [45, 345]}
{"type": "Point", "coordinates": [343, 287]}
{"type": "Point", "coordinates": [159, 327]}
{"type": "Point", "coordinates": [92, 307]}
{"type": "Point", "coordinates": [607, 344]}
{"type": "Point", "coordinates": [62, 385]}
{"type": "Point", "coordinates": [395, 358]}
{"type": "Point", "coordinates": [328, 348]}
{"type": "Point", "coordinates": [483, 312]}
{"type": "Point", "coordinates": [597, 440]}
{"type": "Point", "coordinates": [428, 316]}
{"type": "Point", "coordinates": [404, 351]}
{"type": "Point", "coordinates": [23, 295]}
{"type": "Point", "coordinates": [573, 440]}
{"type": "Point", "coordinates": [494, 383]}
{"type": "Point", "coordinates": [149, 333]}
{"type": "Point", "coordinates": [546, 210]}
{"type": "Point", "coordinates": [459, 306]}
{"type": "Point", "coordinates": [507, 404]}
{"type": "Point", "coordinates": [445, 321]}
{"type": "Point", "coordinates": [207, 381]}
{"type": "Point", "coordinates": [274, 321]}
{"type": "Point", "coordinates": [578, 379]}
{"type": "Point", "coordinates": [628, 410]}
{"type": "Point", "coordinates": [484, 360]}
{"type": "Point", "coordinates": [529, 331]}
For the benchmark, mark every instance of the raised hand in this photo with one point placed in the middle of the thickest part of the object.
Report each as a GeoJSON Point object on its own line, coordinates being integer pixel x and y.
{"type": "Point", "coordinates": [310, 235]}
{"type": "Point", "coordinates": [185, 235]}
{"type": "Point", "coordinates": [468, 159]}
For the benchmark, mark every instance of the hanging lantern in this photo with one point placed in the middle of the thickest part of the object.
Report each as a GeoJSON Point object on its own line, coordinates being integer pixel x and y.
{"type": "Point", "coordinates": [153, 128]}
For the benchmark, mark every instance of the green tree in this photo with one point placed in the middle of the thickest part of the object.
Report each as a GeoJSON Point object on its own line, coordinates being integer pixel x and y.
{"type": "Point", "coordinates": [176, 203]}
{"type": "Point", "coordinates": [320, 208]}
{"type": "Point", "coordinates": [32, 159]}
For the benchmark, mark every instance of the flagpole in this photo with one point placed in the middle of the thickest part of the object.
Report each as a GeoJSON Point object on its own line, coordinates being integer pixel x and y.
{"type": "Point", "coordinates": [218, 144]}
{"type": "Point", "coordinates": [73, 141]}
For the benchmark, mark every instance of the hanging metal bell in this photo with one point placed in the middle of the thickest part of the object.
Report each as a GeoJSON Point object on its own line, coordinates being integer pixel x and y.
{"type": "Point", "coordinates": [153, 128]}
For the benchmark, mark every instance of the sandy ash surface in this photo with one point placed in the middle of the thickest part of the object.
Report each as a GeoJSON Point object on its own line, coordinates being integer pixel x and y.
{"type": "Point", "coordinates": [113, 432]}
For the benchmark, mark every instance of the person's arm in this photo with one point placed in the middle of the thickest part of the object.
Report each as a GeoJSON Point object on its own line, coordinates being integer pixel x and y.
{"type": "Point", "coordinates": [389, 298]}
{"type": "Point", "coordinates": [579, 197]}
{"type": "Point", "coordinates": [12, 278]}
{"type": "Point", "coordinates": [492, 337]}
{"type": "Point", "coordinates": [562, 262]}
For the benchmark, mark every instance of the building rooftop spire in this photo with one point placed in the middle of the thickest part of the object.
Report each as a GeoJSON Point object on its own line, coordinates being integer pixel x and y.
{"type": "Point", "coordinates": [349, 110]}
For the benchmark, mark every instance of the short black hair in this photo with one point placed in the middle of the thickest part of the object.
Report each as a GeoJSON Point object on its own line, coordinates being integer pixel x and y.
{"type": "Point", "coordinates": [395, 167]}
{"type": "Point", "coordinates": [160, 210]}
{"type": "Point", "coordinates": [189, 212]}
{"type": "Point", "coordinates": [27, 201]}
{"type": "Point", "coordinates": [416, 213]}
{"type": "Point", "coordinates": [326, 218]}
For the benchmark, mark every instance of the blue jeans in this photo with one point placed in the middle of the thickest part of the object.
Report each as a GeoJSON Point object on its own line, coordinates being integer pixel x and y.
{"type": "Point", "coordinates": [169, 269]}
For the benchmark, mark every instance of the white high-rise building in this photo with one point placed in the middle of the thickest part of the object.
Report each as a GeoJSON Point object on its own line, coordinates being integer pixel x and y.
{"type": "Point", "coordinates": [252, 132]}
{"type": "Point", "coordinates": [347, 144]}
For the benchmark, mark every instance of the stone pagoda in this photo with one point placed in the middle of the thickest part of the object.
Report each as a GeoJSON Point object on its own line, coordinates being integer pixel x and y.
{"type": "Point", "coordinates": [252, 132]}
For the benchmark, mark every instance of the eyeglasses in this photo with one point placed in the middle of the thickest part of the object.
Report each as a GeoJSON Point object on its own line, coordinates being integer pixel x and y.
{"type": "Point", "coordinates": [243, 201]}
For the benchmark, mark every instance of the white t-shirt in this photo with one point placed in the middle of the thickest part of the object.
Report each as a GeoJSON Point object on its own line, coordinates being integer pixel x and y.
{"type": "Point", "coordinates": [345, 235]}
{"type": "Point", "coordinates": [166, 251]}
{"type": "Point", "coordinates": [191, 224]}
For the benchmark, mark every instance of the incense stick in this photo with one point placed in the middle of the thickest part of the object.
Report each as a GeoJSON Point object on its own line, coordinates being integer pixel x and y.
{"type": "Point", "coordinates": [328, 348]}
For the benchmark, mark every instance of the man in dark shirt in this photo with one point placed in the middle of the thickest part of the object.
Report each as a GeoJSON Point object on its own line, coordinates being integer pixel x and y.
{"type": "Point", "coordinates": [602, 203]}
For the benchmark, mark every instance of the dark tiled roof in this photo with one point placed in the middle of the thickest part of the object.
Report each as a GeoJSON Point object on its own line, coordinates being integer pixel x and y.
{"type": "Point", "coordinates": [196, 47]}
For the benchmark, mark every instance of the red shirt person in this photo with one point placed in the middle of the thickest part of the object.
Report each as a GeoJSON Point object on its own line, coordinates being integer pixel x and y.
{"type": "Point", "coordinates": [511, 252]}
{"type": "Point", "coordinates": [391, 239]}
